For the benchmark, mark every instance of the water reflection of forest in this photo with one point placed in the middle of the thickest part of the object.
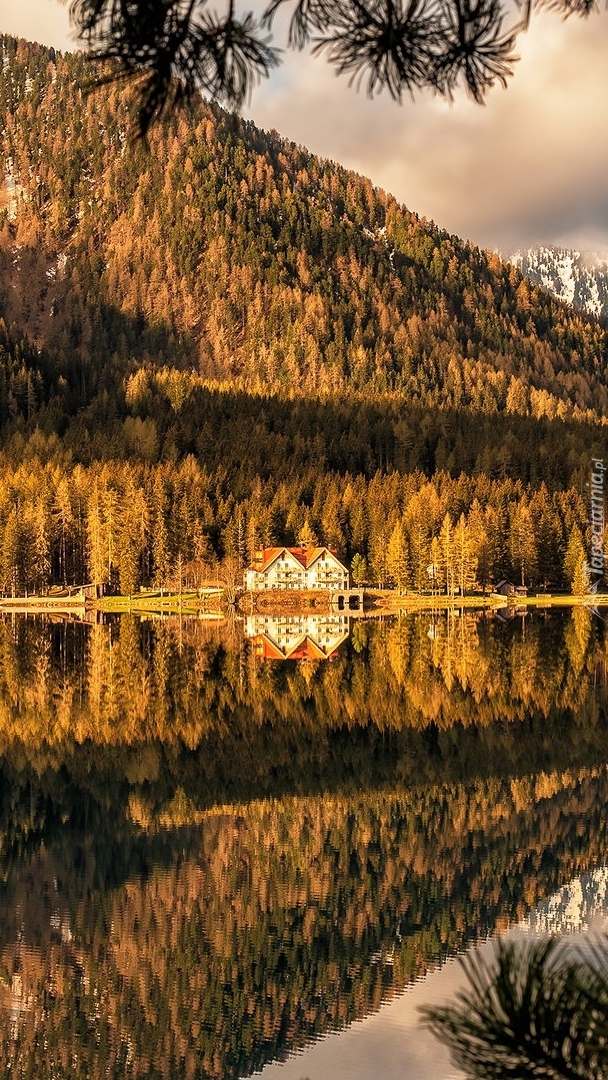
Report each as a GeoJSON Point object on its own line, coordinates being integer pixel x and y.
{"type": "Point", "coordinates": [207, 950]}
{"type": "Point", "coordinates": [207, 860]}
{"type": "Point", "coordinates": [128, 681]}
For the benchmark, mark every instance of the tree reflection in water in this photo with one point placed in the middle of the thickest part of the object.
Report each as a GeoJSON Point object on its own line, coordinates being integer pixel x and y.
{"type": "Point", "coordinates": [208, 860]}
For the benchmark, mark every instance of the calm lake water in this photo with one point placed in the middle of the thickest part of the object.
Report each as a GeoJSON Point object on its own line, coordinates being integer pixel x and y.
{"type": "Point", "coordinates": [231, 847]}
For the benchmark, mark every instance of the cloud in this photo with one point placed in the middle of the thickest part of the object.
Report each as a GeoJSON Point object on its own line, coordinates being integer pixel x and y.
{"type": "Point", "coordinates": [45, 21]}
{"type": "Point", "coordinates": [530, 166]}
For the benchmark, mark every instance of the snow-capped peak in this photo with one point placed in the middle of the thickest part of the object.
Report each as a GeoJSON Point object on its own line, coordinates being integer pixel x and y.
{"type": "Point", "coordinates": [579, 278]}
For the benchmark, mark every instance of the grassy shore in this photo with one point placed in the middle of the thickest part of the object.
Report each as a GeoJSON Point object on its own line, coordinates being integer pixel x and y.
{"type": "Point", "coordinates": [391, 600]}
{"type": "Point", "coordinates": [377, 601]}
{"type": "Point", "coordinates": [214, 602]}
{"type": "Point", "coordinates": [43, 605]}
{"type": "Point", "coordinates": [156, 601]}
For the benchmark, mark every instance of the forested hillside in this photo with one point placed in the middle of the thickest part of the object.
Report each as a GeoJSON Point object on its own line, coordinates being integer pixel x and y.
{"type": "Point", "coordinates": [235, 253]}
{"type": "Point", "coordinates": [210, 340]}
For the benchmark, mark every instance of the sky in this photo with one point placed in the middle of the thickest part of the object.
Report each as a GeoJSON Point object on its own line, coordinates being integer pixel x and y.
{"type": "Point", "coordinates": [392, 1043]}
{"type": "Point", "coordinates": [529, 167]}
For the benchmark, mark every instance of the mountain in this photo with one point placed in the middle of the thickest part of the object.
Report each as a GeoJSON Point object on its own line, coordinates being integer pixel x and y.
{"type": "Point", "coordinates": [234, 253]}
{"type": "Point", "coordinates": [209, 340]}
{"type": "Point", "coordinates": [579, 278]}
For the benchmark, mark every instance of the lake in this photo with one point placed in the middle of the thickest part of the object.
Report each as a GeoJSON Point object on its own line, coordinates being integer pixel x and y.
{"type": "Point", "coordinates": [231, 846]}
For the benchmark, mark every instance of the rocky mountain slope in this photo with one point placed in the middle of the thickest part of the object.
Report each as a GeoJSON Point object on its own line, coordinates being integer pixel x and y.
{"type": "Point", "coordinates": [579, 278]}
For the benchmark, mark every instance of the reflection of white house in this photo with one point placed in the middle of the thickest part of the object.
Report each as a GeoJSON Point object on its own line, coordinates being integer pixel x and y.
{"type": "Point", "coordinates": [296, 568]}
{"type": "Point", "coordinates": [296, 637]}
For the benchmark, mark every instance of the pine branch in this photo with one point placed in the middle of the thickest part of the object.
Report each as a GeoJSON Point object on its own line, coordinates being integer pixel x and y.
{"type": "Point", "coordinates": [175, 48]}
{"type": "Point", "coordinates": [533, 1013]}
{"type": "Point", "coordinates": [172, 51]}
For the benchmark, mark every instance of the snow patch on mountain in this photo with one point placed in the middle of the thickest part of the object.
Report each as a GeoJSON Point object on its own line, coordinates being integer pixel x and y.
{"type": "Point", "coordinates": [579, 905]}
{"type": "Point", "coordinates": [580, 278]}
{"type": "Point", "coordinates": [13, 191]}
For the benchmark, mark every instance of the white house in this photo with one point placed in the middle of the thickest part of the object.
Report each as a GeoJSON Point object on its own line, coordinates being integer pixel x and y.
{"type": "Point", "coordinates": [296, 568]}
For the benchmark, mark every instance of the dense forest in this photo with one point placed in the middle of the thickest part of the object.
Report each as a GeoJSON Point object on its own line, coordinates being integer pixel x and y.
{"type": "Point", "coordinates": [128, 523]}
{"type": "Point", "coordinates": [208, 342]}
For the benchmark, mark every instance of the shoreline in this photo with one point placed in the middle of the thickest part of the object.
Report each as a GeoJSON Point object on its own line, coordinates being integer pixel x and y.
{"type": "Point", "coordinates": [213, 602]}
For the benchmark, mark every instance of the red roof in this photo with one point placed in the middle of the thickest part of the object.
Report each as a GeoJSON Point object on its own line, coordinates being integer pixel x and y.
{"type": "Point", "coordinates": [305, 556]}
{"type": "Point", "coordinates": [305, 649]}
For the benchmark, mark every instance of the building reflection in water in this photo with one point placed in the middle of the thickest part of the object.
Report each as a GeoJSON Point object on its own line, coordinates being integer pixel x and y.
{"type": "Point", "coordinates": [297, 637]}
